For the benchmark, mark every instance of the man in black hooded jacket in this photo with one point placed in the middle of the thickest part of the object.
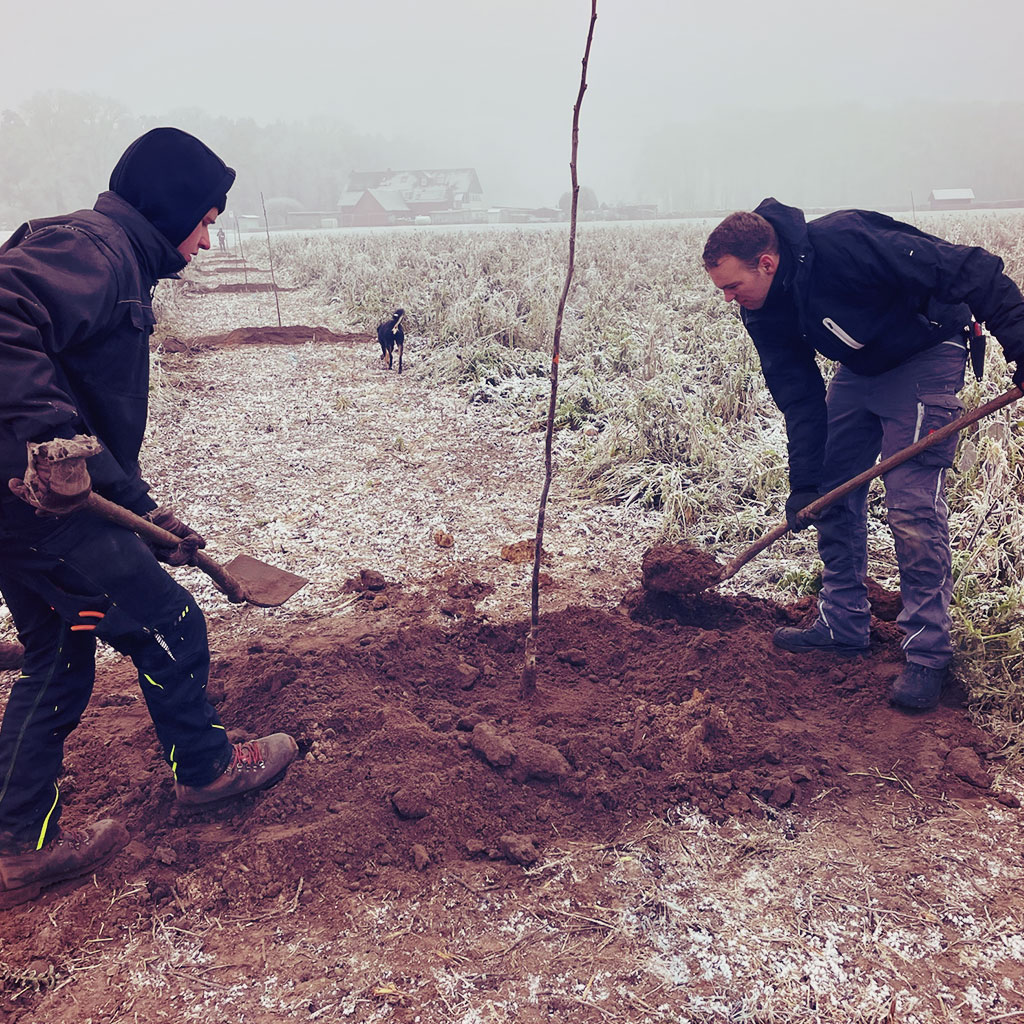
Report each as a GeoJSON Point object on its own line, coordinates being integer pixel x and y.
{"type": "Point", "coordinates": [75, 320]}
{"type": "Point", "coordinates": [893, 306]}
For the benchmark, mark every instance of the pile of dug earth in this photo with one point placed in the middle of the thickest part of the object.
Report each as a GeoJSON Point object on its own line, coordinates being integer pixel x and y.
{"type": "Point", "coordinates": [417, 750]}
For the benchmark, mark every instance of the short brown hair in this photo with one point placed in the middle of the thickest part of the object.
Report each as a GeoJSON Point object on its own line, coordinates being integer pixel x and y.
{"type": "Point", "coordinates": [744, 235]}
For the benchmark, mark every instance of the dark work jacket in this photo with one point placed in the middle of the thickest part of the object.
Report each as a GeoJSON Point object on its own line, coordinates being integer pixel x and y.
{"type": "Point", "coordinates": [869, 292]}
{"type": "Point", "coordinates": [75, 321]}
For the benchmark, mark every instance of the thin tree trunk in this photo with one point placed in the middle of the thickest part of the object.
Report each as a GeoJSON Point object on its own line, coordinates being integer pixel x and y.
{"type": "Point", "coordinates": [270, 254]}
{"type": "Point", "coordinates": [528, 682]}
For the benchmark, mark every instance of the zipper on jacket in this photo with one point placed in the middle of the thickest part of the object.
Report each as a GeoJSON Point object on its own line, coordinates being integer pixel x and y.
{"type": "Point", "coordinates": [841, 334]}
{"type": "Point", "coordinates": [920, 421]}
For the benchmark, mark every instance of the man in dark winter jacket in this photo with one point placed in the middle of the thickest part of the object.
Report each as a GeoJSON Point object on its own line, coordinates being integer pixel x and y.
{"type": "Point", "coordinates": [893, 306]}
{"type": "Point", "coordinates": [75, 320]}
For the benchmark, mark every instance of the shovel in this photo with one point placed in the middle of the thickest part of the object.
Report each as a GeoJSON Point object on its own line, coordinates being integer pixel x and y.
{"type": "Point", "coordinates": [61, 464]}
{"type": "Point", "coordinates": [243, 579]}
{"type": "Point", "coordinates": [869, 474]}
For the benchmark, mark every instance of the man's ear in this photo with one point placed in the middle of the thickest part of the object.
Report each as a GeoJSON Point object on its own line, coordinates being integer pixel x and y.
{"type": "Point", "coordinates": [768, 262]}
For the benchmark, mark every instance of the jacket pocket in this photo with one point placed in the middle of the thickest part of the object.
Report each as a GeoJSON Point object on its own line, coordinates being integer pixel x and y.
{"type": "Point", "coordinates": [933, 412]}
{"type": "Point", "coordinates": [142, 316]}
{"type": "Point", "coordinates": [845, 338]}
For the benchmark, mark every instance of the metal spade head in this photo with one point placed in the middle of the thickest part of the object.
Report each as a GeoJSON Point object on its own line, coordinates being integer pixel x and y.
{"type": "Point", "coordinates": [263, 584]}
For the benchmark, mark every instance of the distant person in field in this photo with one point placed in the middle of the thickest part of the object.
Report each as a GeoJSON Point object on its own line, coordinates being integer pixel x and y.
{"type": "Point", "coordinates": [222, 240]}
{"type": "Point", "coordinates": [892, 306]}
{"type": "Point", "coordinates": [75, 321]}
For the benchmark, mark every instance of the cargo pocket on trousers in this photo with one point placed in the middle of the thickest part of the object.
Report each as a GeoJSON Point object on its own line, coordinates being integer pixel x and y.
{"type": "Point", "coordinates": [933, 412]}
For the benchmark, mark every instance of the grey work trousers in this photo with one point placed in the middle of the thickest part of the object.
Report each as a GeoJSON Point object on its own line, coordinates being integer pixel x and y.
{"type": "Point", "coordinates": [877, 416]}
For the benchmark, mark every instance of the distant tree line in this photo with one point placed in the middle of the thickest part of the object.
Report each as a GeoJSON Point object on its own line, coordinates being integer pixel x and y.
{"type": "Point", "coordinates": [57, 151]}
{"type": "Point", "coordinates": [840, 155]}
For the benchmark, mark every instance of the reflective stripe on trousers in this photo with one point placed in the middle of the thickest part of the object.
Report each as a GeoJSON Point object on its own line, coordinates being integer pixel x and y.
{"type": "Point", "coordinates": [89, 580]}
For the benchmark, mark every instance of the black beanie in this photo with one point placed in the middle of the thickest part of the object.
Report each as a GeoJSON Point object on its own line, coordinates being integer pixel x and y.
{"type": "Point", "coordinates": [173, 180]}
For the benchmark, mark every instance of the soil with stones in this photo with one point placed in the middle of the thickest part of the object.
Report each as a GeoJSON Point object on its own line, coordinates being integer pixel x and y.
{"type": "Point", "coordinates": [420, 762]}
{"type": "Point", "coordinates": [684, 824]}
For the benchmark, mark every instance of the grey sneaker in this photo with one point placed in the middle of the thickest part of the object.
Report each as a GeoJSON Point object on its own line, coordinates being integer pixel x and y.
{"type": "Point", "coordinates": [817, 638]}
{"type": "Point", "coordinates": [254, 765]}
{"type": "Point", "coordinates": [72, 853]}
{"type": "Point", "coordinates": [918, 687]}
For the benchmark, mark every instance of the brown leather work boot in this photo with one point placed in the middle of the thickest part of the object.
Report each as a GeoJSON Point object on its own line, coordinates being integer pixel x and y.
{"type": "Point", "coordinates": [73, 853]}
{"type": "Point", "coordinates": [254, 765]}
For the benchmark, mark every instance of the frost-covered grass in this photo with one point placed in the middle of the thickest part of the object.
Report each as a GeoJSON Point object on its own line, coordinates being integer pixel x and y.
{"type": "Point", "coordinates": [663, 387]}
{"type": "Point", "coordinates": [652, 359]}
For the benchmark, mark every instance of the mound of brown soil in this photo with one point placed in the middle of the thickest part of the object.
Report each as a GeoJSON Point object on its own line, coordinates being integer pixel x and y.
{"type": "Point", "coordinates": [417, 753]}
{"type": "Point", "coordinates": [252, 286]}
{"type": "Point", "coordinates": [415, 740]}
{"type": "Point", "coordinates": [295, 335]}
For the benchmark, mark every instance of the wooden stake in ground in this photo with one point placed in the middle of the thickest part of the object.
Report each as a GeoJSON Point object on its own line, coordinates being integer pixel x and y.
{"type": "Point", "coordinates": [270, 256]}
{"type": "Point", "coordinates": [528, 683]}
{"type": "Point", "coordinates": [241, 255]}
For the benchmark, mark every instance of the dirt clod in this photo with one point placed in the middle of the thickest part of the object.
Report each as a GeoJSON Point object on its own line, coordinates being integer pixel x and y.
{"type": "Point", "coordinates": [522, 551]}
{"type": "Point", "coordinates": [965, 764]}
{"type": "Point", "coordinates": [466, 675]}
{"type": "Point", "coordinates": [366, 580]}
{"type": "Point", "coordinates": [495, 749]}
{"type": "Point", "coordinates": [679, 570]}
{"type": "Point", "coordinates": [535, 759]}
{"type": "Point", "coordinates": [519, 849]}
{"type": "Point", "coordinates": [413, 801]}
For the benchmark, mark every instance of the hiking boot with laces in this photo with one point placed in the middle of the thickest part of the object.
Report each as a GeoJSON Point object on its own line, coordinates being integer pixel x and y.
{"type": "Point", "coordinates": [72, 853]}
{"type": "Point", "coordinates": [817, 638]}
{"type": "Point", "coordinates": [254, 765]}
{"type": "Point", "coordinates": [918, 687]}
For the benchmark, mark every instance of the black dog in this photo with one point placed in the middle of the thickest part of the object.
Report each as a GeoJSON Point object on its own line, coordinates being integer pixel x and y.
{"type": "Point", "coordinates": [391, 336]}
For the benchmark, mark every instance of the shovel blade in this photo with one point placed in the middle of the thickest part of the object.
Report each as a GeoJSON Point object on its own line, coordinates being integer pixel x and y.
{"type": "Point", "coordinates": [264, 585]}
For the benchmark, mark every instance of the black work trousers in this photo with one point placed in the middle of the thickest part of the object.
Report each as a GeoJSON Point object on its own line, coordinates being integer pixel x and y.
{"type": "Point", "coordinates": [68, 583]}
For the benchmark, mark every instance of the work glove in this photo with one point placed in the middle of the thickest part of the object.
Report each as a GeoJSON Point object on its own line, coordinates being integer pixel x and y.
{"type": "Point", "coordinates": [184, 552]}
{"type": "Point", "coordinates": [57, 481]}
{"type": "Point", "coordinates": [800, 498]}
{"type": "Point", "coordinates": [1018, 374]}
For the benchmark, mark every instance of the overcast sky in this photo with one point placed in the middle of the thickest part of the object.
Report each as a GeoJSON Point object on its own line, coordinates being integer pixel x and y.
{"type": "Point", "coordinates": [492, 85]}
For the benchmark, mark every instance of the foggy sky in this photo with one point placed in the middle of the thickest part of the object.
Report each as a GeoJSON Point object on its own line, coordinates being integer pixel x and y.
{"type": "Point", "coordinates": [491, 85]}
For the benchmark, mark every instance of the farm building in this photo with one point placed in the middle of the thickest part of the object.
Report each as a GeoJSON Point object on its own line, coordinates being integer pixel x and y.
{"type": "Point", "coordinates": [951, 198]}
{"type": "Point", "coordinates": [377, 207]}
{"type": "Point", "coordinates": [395, 197]}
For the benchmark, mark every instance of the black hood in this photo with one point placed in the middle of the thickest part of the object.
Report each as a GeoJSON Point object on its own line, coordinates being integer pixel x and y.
{"type": "Point", "coordinates": [795, 250]}
{"type": "Point", "coordinates": [789, 223]}
{"type": "Point", "coordinates": [173, 180]}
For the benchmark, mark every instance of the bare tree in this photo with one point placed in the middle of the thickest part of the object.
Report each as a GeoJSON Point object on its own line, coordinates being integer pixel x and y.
{"type": "Point", "coordinates": [528, 684]}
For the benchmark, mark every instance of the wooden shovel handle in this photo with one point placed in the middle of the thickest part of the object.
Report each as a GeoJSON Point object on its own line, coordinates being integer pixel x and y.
{"type": "Point", "coordinates": [164, 538]}
{"type": "Point", "coordinates": [869, 474]}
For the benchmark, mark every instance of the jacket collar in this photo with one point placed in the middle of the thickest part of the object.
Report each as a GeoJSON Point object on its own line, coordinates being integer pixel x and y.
{"type": "Point", "coordinates": [157, 257]}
